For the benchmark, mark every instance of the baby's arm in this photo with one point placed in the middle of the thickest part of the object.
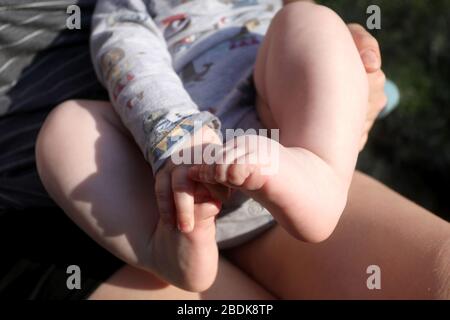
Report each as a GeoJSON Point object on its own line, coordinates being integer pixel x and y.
{"type": "Point", "coordinates": [133, 63]}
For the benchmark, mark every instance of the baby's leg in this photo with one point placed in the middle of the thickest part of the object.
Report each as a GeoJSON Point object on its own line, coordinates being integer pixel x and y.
{"type": "Point", "coordinates": [312, 85]}
{"type": "Point", "coordinates": [92, 168]}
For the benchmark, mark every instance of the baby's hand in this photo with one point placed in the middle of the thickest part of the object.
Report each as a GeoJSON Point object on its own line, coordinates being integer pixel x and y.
{"type": "Point", "coordinates": [180, 199]}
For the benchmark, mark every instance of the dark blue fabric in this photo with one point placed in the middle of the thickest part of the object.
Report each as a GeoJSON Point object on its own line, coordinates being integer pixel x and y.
{"type": "Point", "coordinates": [52, 66]}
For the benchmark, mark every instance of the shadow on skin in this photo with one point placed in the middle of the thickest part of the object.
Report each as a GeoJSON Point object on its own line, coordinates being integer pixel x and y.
{"type": "Point", "coordinates": [114, 191]}
{"type": "Point", "coordinates": [114, 195]}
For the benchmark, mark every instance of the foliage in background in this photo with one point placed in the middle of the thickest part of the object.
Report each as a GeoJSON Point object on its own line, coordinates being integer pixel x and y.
{"type": "Point", "coordinates": [410, 149]}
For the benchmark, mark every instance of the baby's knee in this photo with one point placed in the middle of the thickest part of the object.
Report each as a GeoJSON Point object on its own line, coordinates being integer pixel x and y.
{"type": "Point", "coordinates": [58, 121]}
{"type": "Point", "coordinates": [54, 129]}
{"type": "Point", "coordinates": [69, 119]}
{"type": "Point", "coordinates": [72, 116]}
{"type": "Point", "coordinates": [302, 13]}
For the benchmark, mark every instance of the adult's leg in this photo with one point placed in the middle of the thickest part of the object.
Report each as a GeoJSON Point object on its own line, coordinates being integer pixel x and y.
{"type": "Point", "coordinates": [135, 284]}
{"type": "Point", "coordinates": [378, 227]}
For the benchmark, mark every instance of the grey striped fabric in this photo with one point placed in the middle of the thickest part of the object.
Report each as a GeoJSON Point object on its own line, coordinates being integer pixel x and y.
{"type": "Point", "coordinates": [42, 63]}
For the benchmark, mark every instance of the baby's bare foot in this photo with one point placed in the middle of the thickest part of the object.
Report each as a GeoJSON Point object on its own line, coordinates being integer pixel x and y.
{"type": "Point", "coordinates": [298, 188]}
{"type": "Point", "coordinates": [187, 260]}
{"type": "Point", "coordinates": [183, 246]}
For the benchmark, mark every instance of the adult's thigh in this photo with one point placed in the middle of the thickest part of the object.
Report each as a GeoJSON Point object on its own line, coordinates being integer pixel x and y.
{"type": "Point", "coordinates": [132, 283]}
{"type": "Point", "coordinates": [378, 228]}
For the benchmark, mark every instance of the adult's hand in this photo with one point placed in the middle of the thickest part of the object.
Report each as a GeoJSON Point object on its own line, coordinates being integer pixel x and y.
{"type": "Point", "coordinates": [371, 57]}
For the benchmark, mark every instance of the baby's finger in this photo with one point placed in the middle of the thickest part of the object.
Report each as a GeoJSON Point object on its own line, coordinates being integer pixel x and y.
{"type": "Point", "coordinates": [205, 191]}
{"type": "Point", "coordinates": [218, 191]}
{"type": "Point", "coordinates": [201, 194]}
{"type": "Point", "coordinates": [194, 173]}
{"type": "Point", "coordinates": [368, 47]}
{"type": "Point", "coordinates": [206, 210]}
{"type": "Point", "coordinates": [183, 195]}
{"type": "Point", "coordinates": [207, 173]}
{"type": "Point", "coordinates": [164, 199]}
{"type": "Point", "coordinates": [377, 95]}
{"type": "Point", "coordinates": [202, 173]}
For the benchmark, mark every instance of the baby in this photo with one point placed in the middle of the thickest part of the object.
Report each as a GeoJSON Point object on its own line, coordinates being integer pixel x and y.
{"type": "Point", "coordinates": [181, 69]}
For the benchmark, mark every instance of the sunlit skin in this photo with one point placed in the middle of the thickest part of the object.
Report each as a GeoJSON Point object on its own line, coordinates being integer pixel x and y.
{"type": "Point", "coordinates": [320, 134]}
{"type": "Point", "coordinates": [137, 216]}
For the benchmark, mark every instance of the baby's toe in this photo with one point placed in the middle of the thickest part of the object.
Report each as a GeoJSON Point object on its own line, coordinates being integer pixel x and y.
{"type": "Point", "coordinates": [237, 174]}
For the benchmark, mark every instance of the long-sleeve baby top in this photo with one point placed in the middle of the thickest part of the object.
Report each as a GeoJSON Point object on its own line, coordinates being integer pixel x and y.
{"type": "Point", "coordinates": [142, 52]}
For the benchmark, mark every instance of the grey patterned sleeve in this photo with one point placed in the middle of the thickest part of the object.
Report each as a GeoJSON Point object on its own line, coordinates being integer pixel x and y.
{"type": "Point", "coordinates": [131, 60]}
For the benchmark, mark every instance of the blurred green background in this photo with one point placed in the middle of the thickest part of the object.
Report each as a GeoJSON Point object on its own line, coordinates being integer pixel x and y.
{"type": "Point", "coordinates": [410, 149]}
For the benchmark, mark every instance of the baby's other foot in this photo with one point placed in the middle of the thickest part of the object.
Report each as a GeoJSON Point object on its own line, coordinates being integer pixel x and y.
{"type": "Point", "coordinates": [298, 188]}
